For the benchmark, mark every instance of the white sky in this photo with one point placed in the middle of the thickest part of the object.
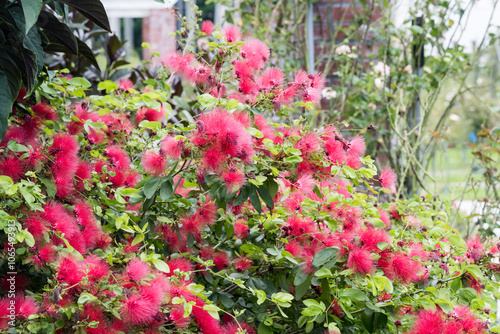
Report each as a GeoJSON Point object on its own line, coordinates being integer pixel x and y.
{"type": "Point", "coordinates": [477, 23]}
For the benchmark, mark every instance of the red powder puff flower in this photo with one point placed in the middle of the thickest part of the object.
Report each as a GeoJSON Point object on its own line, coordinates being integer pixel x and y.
{"type": "Point", "coordinates": [468, 322]}
{"type": "Point", "coordinates": [149, 114]}
{"type": "Point", "coordinates": [212, 159]}
{"type": "Point", "coordinates": [235, 328]}
{"type": "Point", "coordinates": [207, 212]}
{"type": "Point", "coordinates": [153, 163]}
{"type": "Point", "coordinates": [248, 86]}
{"type": "Point", "coordinates": [298, 226]}
{"type": "Point", "coordinates": [125, 84]}
{"type": "Point", "coordinates": [472, 282]}
{"type": "Point", "coordinates": [243, 71]}
{"type": "Point", "coordinates": [118, 157]}
{"type": "Point", "coordinates": [136, 269]}
{"type": "Point", "coordinates": [231, 33]}
{"type": "Point", "coordinates": [95, 268]}
{"type": "Point", "coordinates": [370, 238]}
{"type": "Point", "coordinates": [255, 53]}
{"type": "Point", "coordinates": [192, 225]}
{"type": "Point", "coordinates": [95, 313]}
{"type": "Point", "coordinates": [206, 323]}
{"type": "Point", "coordinates": [360, 261]}
{"type": "Point", "coordinates": [394, 212]}
{"type": "Point", "coordinates": [384, 216]}
{"type": "Point", "coordinates": [475, 248]}
{"type": "Point", "coordinates": [294, 248]}
{"type": "Point", "coordinates": [35, 158]}
{"type": "Point", "coordinates": [241, 230]}
{"type": "Point", "coordinates": [317, 81]}
{"type": "Point", "coordinates": [271, 77]}
{"type": "Point", "coordinates": [36, 226]}
{"type": "Point", "coordinates": [301, 79]}
{"type": "Point", "coordinates": [388, 178]}
{"type": "Point", "coordinates": [335, 151]}
{"type": "Point", "coordinates": [311, 95]}
{"type": "Point", "coordinates": [45, 255]}
{"type": "Point", "coordinates": [428, 322]}
{"type": "Point", "coordinates": [357, 147]}
{"type": "Point", "coordinates": [305, 184]}
{"type": "Point", "coordinates": [171, 147]}
{"type": "Point", "coordinates": [402, 268]}
{"type": "Point", "coordinates": [242, 263]}
{"type": "Point", "coordinates": [234, 179]}
{"type": "Point", "coordinates": [69, 271]}
{"type": "Point", "coordinates": [221, 261]}
{"type": "Point", "coordinates": [44, 111]}
{"type": "Point", "coordinates": [181, 263]}
{"type": "Point", "coordinates": [22, 94]}
{"type": "Point", "coordinates": [137, 309]}
{"type": "Point", "coordinates": [207, 27]}
{"type": "Point", "coordinates": [27, 307]}
{"type": "Point", "coordinates": [308, 143]}
{"type": "Point", "coordinates": [12, 167]}
{"type": "Point", "coordinates": [64, 143]}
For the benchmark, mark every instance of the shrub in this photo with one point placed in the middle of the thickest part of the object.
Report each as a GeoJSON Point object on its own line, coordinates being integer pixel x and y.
{"type": "Point", "coordinates": [120, 222]}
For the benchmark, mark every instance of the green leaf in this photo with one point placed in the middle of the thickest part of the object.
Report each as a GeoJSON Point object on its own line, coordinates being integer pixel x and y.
{"type": "Point", "coordinates": [249, 248]}
{"type": "Point", "coordinates": [266, 196]}
{"type": "Point", "coordinates": [108, 85]}
{"type": "Point", "coordinates": [212, 310]}
{"type": "Point", "coordinates": [349, 172]}
{"type": "Point", "coordinates": [255, 132]}
{"type": "Point", "coordinates": [138, 238]}
{"type": "Point", "coordinates": [5, 104]}
{"type": "Point", "coordinates": [207, 101]}
{"type": "Point", "coordinates": [81, 82]}
{"type": "Point", "coordinates": [475, 271]}
{"type": "Point", "coordinates": [86, 297]}
{"type": "Point", "coordinates": [325, 255]}
{"type": "Point", "coordinates": [91, 9]}
{"type": "Point", "coordinates": [427, 303]}
{"type": "Point", "coordinates": [242, 196]}
{"type": "Point", "coordinates": [372, 320]}
{"type": "Point", "coordinates": [445, 305]}
{"type": "Point", "coordinates": [261, 296]}
{"type": "Point", "coordinates": [31, 10]}
{"type": "Point", "coordinates": [151, 186]}
{"type": "Point", "coordinates": [293, 159]}
{"type": "Point", "coordinates": [161, 265]}
{"type": "Point", "coordinates": [166, 189]}
{"type": "Point", "coordinates": [322, 273]}
{"type": "Point", "coordinates": [28, 238]}
{"type": "Point", "coordinates": [254, 199]}
{"type": "Point", "coordinates": [354, 294]}
{"type": "Point", "coordinates": [300, 276]}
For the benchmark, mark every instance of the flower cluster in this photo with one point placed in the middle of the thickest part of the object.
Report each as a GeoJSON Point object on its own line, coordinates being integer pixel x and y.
{"type": "Point", "coordinates": [229, 224]}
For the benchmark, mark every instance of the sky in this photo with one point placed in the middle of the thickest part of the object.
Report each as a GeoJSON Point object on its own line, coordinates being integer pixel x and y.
{"type": "Point", "coordinates": [476, 26]}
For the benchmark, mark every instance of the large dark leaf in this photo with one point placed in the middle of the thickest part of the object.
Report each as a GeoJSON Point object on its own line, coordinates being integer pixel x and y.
{"type": "Point", "coordinates": [33, 42]}
{"type": "Point", "coordinates": [31, 10]}
{"type": "Point", "coordinates": [85, 51]}
{"type": "Point", "coordinates": [92, 9]}
{"type": "Point", "coordinates": [114, 48]}
{"type": "Point", "coordinates": [56, 30]}
{"type": "Point", "coordinates": [11, 70]}
{"type": "Point", "coordinates": [5, 104]}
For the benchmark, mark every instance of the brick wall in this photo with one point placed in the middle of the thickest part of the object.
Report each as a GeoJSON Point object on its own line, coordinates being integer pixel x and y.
{"type": "Point", "coordinates": [329, 17]}
{"type": "Point", "coordinates": [156, 29]}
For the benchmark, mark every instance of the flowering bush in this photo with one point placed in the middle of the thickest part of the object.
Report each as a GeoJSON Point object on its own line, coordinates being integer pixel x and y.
{"type": "Point", "coordinates": [124, 223]}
